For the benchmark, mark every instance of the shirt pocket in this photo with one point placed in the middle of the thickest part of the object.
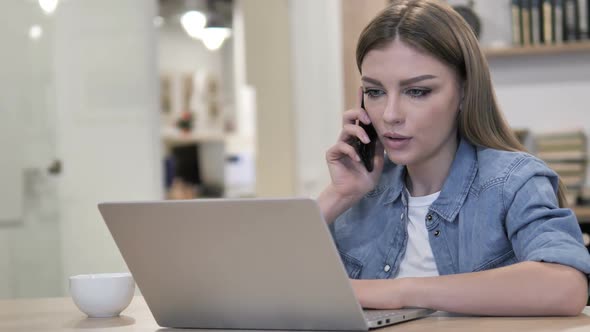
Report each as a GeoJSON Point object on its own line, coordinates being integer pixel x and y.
{"type": "Point", "coordinates": [352, 265]}
{"type": "Point", "coordinates": [505, 259]}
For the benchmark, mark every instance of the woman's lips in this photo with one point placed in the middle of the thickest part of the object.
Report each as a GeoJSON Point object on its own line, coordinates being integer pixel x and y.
{"type": "Point", "coordinates": [396, 141]}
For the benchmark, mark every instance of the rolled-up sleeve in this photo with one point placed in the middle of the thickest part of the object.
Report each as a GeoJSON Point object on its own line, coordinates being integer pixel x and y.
{"type": "Point", "coordinates": [537, 227]}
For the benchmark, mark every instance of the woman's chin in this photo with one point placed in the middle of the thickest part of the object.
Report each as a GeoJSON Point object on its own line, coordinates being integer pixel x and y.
{"type": "Point", "coordinates": [399, 159]}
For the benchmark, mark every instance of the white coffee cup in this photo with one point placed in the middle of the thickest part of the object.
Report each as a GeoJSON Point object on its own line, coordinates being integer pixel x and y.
{"type": "Point", "coordinates": [102, 295]}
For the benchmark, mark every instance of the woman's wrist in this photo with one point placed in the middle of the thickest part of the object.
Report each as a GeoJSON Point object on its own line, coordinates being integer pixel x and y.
{"type": "Point", "coordinates": [332, 203]}
{"type": "Point", "coordinates": [414, 293]}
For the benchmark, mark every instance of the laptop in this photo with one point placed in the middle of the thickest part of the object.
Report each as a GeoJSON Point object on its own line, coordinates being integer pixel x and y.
{"type": "Point", "coordinates": [240, 264]}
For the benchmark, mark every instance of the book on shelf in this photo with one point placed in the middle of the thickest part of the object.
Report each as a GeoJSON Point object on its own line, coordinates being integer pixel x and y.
{"type": "Point", "coordinates": [547, 21]}
{"type": "Point", "coordinates": [583, 10]}
{"type": "Point", "coordinates": [585, 194]}
{"type": "Point", "coordinates": [573, 177]}
{"type": "Point", "coordinates": [565, 144]}
{"type": "Point", "coordinates": [565, 168]}
{"type": "Point", "coordinates": [573, 181]}
{"type": "Point", "coordinates": [536, 22]}
{"type": "Point", "coordinates": [560, 143]}
{"type": "Point", "coordinates": [525, 20]}
{"type": "Point", "coordinates": [516, 23]}
{"type": "Point", "coordinates": [561, 155]}
{"type": "Point", "coordinates": [524, 136]}
{"type": "Point", "coordinates": [583, 199]}
{"type": "Point", "coordinates": [565, 152]}
{"type": "Point", "coordinates": [562, 133]}
{"type": "Point", "coordinates": [571, 198]}
{"type": "Point", "coordinates": [570, 20]}
{"type": "Point", "coordinates": [558, 21]}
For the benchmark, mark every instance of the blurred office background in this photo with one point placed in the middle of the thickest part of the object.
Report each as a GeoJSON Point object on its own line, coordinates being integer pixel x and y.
{"type": "Point", "coordinates": [104, 100]}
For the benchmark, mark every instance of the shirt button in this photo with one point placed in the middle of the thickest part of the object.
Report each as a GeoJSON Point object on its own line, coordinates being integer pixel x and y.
{"type": "Point", "coordinates": [436, 233]}
{"type": "Point", "coordinates": [429, 217]}
{"type": "Point", "coordinates": [387, 268]}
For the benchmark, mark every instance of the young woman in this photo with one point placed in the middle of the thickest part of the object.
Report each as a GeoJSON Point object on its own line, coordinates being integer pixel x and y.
{"type": "Point", "coordinates": [454, 216]}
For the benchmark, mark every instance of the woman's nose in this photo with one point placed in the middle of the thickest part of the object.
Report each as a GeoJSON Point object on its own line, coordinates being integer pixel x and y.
{"type": "Point", "coordinates": [392, 113]}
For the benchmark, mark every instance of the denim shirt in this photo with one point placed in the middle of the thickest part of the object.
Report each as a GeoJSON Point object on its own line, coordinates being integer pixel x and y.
{"type": "Point", "coordinates": [496, 208]}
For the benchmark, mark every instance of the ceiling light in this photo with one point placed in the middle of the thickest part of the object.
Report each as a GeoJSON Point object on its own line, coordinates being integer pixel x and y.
{"type": "Point", "coordinates": [48, 6]}
{"type": "Point", "coordinates": [35, 32]}
{"type": "Point", "coordinates": [193, 23]}
{"type": "Point", "coordinates": [214, 37]}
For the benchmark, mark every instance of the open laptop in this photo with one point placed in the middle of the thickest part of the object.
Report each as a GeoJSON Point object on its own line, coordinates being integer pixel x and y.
{"type": "Point", "coordinates": [240, 264]}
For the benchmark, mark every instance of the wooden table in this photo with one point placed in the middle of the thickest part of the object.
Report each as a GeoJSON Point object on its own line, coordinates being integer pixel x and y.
{"type": "Point", "coordinates": [60, 314]}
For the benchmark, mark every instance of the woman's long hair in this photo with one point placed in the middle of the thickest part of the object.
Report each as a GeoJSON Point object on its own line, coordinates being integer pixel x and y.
{"type": "Point", "coordinates": [433, 27]}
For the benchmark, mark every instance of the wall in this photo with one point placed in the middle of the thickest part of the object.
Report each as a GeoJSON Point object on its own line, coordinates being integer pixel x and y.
{"type": "Point", "coordinates": [317, 88]}
{"type": "Point", "coordinates": [535, 91]}
{"type": "Point", "coordinates": [268, 69]}
{"type": "Point", "coordinates": [29, 241]}
{"type": "Point", "coordinates": [90, 99]}
{"type": "Point", "coordinates": [107, 122]}
{"type": "Point", "coordinates": [293, 62]}
{"type": "Point", "coordinates": [356, 14]}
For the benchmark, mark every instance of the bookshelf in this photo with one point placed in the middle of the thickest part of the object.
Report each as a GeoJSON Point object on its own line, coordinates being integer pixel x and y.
{"type": "Point", "coordinates": [512, 51]}
{"type": "Point", "coordinates": [545, 27]}
{"type": "Point", "coordinates": [582, 213]}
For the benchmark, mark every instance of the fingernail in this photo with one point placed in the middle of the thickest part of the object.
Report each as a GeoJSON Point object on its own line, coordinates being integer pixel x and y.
{"type": "Point", "coordinates": [366, 118]}
{"type": "Point", "coordinates": [366, 139]}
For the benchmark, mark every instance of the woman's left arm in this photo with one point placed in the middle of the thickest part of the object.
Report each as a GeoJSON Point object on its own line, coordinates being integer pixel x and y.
{"type": "Point", "coordinates": [522, 289]}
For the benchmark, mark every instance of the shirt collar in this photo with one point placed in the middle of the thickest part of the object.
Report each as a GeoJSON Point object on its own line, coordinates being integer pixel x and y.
{"type": "Point", "coordinates": [455, 188]}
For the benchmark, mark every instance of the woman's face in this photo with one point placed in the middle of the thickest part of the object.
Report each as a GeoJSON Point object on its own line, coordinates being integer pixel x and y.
{"type": "Point", "coordinates": [412, 99]}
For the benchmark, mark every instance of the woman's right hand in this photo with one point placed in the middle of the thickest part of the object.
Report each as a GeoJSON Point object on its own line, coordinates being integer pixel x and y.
{"type": "Point", "coordinates": [350, 178]}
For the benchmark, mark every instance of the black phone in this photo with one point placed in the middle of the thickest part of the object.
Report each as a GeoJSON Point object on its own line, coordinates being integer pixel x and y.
{"type": "Point", "coordinates": [366, 151]}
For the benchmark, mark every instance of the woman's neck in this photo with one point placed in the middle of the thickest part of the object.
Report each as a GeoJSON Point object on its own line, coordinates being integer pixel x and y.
{"type": "Point", "coordinates": [428, 176]}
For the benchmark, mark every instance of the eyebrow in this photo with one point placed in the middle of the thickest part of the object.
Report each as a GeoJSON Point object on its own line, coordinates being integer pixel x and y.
{"type": "Point", "coordinates": [402, 83]}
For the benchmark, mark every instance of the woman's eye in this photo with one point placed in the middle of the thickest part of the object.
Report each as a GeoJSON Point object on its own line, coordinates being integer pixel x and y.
{"type": "Point", "coordinates": [417, 93]}
{"type": "Point", "coordinates": [373, 93]}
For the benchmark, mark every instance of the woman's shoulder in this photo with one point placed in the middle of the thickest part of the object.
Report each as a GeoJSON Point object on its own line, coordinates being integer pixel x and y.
{"type": "Point", "coordinates": [495, 165]}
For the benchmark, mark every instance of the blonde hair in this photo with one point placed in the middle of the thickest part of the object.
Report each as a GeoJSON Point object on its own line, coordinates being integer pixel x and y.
{"type": "Point", "coordinates": [433, 27]}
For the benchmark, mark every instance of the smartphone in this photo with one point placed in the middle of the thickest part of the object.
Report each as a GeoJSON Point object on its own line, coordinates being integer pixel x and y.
{"type": "Point", "coordinates": [366, 151]}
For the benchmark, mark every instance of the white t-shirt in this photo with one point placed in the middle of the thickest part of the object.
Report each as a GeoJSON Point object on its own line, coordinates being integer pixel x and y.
{"type": "Point", "coordinates": [418, 260]}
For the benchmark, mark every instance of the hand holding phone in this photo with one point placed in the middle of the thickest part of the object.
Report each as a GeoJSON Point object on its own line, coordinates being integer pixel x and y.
{"type": "Point", "coordinates": [348, 179]}
{"type": "Point", "coordinates": [366, 151]}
